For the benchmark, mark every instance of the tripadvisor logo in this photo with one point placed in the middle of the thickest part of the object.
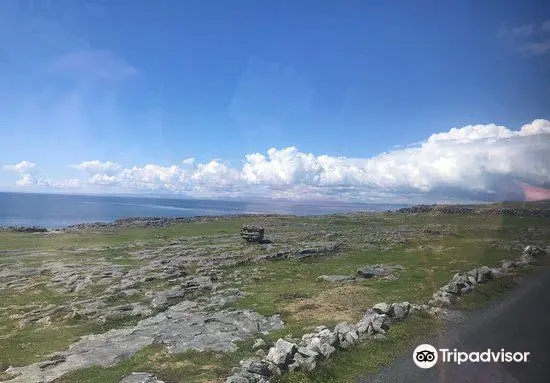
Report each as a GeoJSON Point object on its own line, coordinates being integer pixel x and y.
{"type": "Point", "coordinates": [426, 356]}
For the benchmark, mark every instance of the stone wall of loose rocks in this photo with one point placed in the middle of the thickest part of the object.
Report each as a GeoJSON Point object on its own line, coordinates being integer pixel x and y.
{"type": "Point", "coordinates": [462, 284]}
{"type": "Point", "coordinates": [323, 342]}
{"type": "Point", "coordinates": [482, 210]}
{"type": "Point", "coordinates": [320, 344]}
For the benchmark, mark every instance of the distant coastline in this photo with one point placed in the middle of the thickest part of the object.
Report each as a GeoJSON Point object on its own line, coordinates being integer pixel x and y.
{"type": "Point", "coordinates": [62, 210]}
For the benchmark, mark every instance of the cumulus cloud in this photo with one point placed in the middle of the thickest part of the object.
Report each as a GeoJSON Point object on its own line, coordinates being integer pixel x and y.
{"type": "Point", "coordinates": [476, 162]}
{"type": "Point", "coordinates": [28, 174]}
{"type": "Point", "coordinates": [22, 167]}
{"type": "Point", "coordinates": [26, 171]}
{"type": "Point", "coordinates": [490, 131]}
{"type": "Point", "coordinates": [96, 166]}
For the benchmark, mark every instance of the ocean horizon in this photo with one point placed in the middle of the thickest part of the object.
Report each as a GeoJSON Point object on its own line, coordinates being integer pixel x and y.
{"type": "Point", "coordinates": [61, 210]}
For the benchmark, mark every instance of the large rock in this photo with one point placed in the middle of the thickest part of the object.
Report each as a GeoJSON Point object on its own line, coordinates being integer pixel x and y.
{"type": "Point", "coordinates": [485, 274]}
{"type": "Point", "coordinates": [237, 379]}
{"type": "Point", "coordinates": [302, 363]}
{"type": "Point", "coordinates": [140, 377]}
{"type": "Point", "coordinates": [508, 265]}
{"type": "Point", "coordinates": [281, 353]}
{"type": "Point", "coordinates": [399, 311]}
{"type": "Point", "coordinates": [374, 323]}
{"type": "Point", "coordinates": [252, 233]}
{"type": "Point", "coordinates": [531, 253]}
{"type": "Point", "coordinates": [259, 366]}
{"type": "Point", "coordinates": [328, 337]}
{"type": "Point", "coordinates": [451, 288]}
{"type": "Point", "coordinates": [347, 334]}
{"type": "Point", "coordinates": [381, 308]}
{"type": "Point", "coordinates": [442, 298]}
{"type": "Point", "coordinates": [317, 347]}
{"type": "Point", "coordinates": [336, 278]}
{"type": "Point", "coordinates": [378, 271]}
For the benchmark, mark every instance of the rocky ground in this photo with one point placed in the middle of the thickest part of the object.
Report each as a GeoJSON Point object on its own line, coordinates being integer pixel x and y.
{"type": "Point", "coordinates": [185, 299]}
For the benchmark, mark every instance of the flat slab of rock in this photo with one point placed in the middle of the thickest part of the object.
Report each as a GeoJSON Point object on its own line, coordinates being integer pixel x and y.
{"type": "Point", "coordinates": [336, 278]}
{"type": "Point", "coordinates": [309, 250]}
{"type": "Point", "coordinates": [140, 377]}
{"type": "Point", "coordinates": [377, 271]}
{"type": "Point", "coordinates": [182, 327]}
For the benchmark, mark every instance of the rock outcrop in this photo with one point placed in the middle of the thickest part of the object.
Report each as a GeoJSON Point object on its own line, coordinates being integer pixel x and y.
{"type": "Point", "coordinates": [184, 326]}
{"type": "Point", "coordinates": [26, 229]}
{"type": "Point", "coordinates": [313, 249]}
{"type": "Point", "coordinates": [140, 377]}
{"type": "Point", "coordinates": [378, 271]}
{"type": "Point", "coordinates": [252, 233]}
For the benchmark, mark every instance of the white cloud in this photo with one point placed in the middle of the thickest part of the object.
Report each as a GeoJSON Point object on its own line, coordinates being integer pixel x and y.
{"type": "Point", "coordinates": [529, 40]}
{"type": "Point", "coordinates": [28, 176]}
{"type": "Point", "coordinates": [96, 166]}
{"type": "Point", "coordinates": [68, 183]}
{"type": "Point", "coordinates": [521, 31]}
{"type": "Point", "coordinates": [26, 171]}
{"type": "Point", "coordinates": [93, 65]}
{"type": "Point", "coordinates": [463, 162]}
{"type": "Point", "coordinates": [490, 131]}
{"type": "Point", "coordinates": [22, 167]}
{"type": "Point", "coordinates": [524, 30]}
{"type": "Point", "coordinates": [535, 48]}
{"type": "Point", "coordinates": [25, 180]}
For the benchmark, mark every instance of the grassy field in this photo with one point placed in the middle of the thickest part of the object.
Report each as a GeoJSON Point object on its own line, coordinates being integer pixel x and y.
{"type": "Point", "coordinates": [430, 248]}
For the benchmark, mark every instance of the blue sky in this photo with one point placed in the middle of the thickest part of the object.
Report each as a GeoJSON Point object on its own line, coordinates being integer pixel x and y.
{"type": "Point", "coordinates": [134, 83]}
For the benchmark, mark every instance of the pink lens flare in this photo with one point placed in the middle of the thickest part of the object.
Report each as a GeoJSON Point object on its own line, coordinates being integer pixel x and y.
{"type": "Point", "coordinates": [533, 193]}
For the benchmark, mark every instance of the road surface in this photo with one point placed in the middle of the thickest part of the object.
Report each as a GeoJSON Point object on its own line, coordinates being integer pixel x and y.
{"type": "Point", "coordinates": [518, 321]}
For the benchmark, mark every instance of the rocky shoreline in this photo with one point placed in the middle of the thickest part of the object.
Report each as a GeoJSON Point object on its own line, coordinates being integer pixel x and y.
{"type": "Point", "coordinates": [136, 222]}
{"type": "Point", "coordinates": [144, 222]}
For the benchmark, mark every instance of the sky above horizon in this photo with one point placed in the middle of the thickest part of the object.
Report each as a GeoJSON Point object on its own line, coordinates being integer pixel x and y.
{"type": "Point", "coordinates": [348, 100]}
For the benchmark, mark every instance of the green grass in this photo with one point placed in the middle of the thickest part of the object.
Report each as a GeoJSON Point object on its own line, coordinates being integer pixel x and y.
{"type": "Point", "coordinates": [32, 343]}
{"type": "Point", "coordinates": [286, 287]}
{"type": "Point", "coordinates": [483, 294]}
{"type": "Point", "coordinates": [367, 357]}
{"type": "Point", "coordinates": [39, 294]}
{"type": "Point", "coordinates": [117, 236]}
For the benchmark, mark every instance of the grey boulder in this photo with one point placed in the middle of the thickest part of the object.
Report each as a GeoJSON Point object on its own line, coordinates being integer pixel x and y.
{"type": "Point", "coordinates": [140, 377]}
{"type": "Point", "coordinates": [282, 352]}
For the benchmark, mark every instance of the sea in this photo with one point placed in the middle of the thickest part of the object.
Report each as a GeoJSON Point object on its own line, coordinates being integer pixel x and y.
{"type": "Point", "coordinates": [57, 210]}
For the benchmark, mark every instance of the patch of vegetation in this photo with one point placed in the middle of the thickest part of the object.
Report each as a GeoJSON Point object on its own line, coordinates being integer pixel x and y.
{"type": "Point", "coordinates": [187, 367]}
{"type": "Point", "coordinates": [33, 342]}
{"type": "Point", "coordinates": [290, 288]}
{"type": "Point", "coordinates": [365, 358]}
